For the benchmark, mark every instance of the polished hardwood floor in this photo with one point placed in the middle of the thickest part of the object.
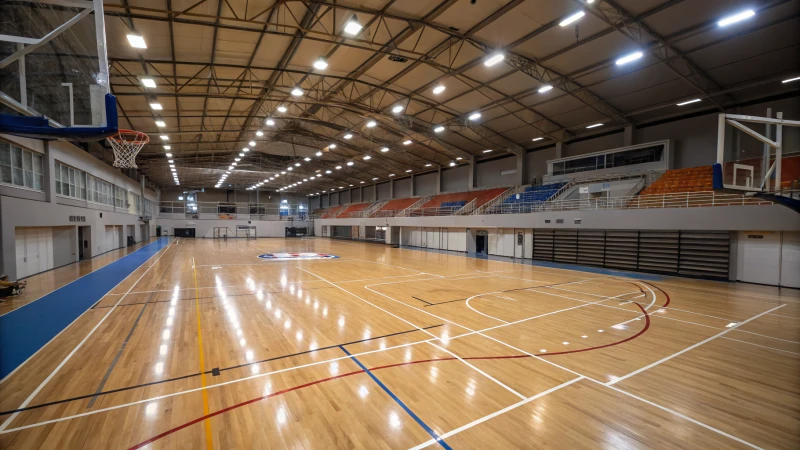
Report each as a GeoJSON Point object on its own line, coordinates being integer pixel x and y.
{"type": "Point", "coordinates": [208, 346]}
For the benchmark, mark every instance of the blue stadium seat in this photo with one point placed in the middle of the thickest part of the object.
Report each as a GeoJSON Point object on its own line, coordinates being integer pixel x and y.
{"type": "Point", "coordinates": [535, 194]}
{"type": "Point", "coordinates": [458, 204]}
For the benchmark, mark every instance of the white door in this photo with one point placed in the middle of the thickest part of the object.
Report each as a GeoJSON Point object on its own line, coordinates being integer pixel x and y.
{"type": "Point", "coordinates": [443, 234]}
{"type": "Point", "coordinates": [109, 241]}
{"type": "Point", "coordinates": [32, 238]}
{"type": "Point", "coordinates": [528, 244]}
{"type": "Point", "coordinates": [519, 242]}
{"type": "Point", "coordinates": [22, 260]}
{"type": "Point", "coordinates": [759, 257]}
{"type": "Point", "coordinates": [45, 248]}
{"type": "Point", "coordinates": [433, 238]}
{"type": "Point", "coordinates": [424, 237]}
{"type": "Point", "coordinates": [790, 259]}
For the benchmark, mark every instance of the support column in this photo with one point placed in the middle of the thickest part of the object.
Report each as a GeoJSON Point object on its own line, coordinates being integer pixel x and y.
{"type": "Point", "coordinates": [559, 150]}
{"type": "Point", "coordinates": [439, 180]}
{"type": "Point", "coordinates": [413, 187]}
{"type": "Point", "coordinates": [767, 153]}
{"type": "Point", "coordinates": [391, 189]}
{"type": "Point", "coordinates": [522, 169]}
{"type": "Point", "coordinates": [374, 192]}
{"type": "Point", "coordinates": [48, 174]}
{"type": "Point", "coordinates": [628, 137]}
{"type": "Point", "coordinates": [473, 174]}
{"type": "Point", "coordinates": [361, 193]}
{"type": "Point", "coordinates": [23, 81]}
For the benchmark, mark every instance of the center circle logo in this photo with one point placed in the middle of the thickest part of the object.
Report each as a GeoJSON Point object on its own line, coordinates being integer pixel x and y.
{"type": "Point", "coordinates": [292, 256]}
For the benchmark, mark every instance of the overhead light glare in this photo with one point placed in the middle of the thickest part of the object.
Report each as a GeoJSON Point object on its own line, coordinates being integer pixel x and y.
{"type": "Point", "coordinates": [148, 82]}
{"type": "Point", "coordinates": [689, 102]}
{"type": "Point", "coordinates": [407, 142]}
{"type": "Point", "coordinates": [320, 64]}
{"type": "Point", "coordinates": [297, 92]}
{"type": "Point", "coordinates": [595, 125]}
{"type": "Point", "coordinates": [488, 150]}
{"type": "Point", "coordinates": [259, 133]}
{"type": "Point", "coordinates": [738, 17]}
{"type": "Point", "coordinates": [494, 59]}
{"type": "Point", "coordinates": [270, 122]}
{"type": "Point", "coordinates": [367, 158]}
{"type": "Point", "coordinates": [160, 123]}
{"type": "Point", "coordinates": [350, 163]}
{"type": "Point", "coordinates": [537, 139]}
{"type": "Point", "coordinates": [164, 137]}
{"type": "Point", "coordinates": [572, 18]}
{"type": "Point", "coordinates": [629, 58]}
{"type": "Point", "coordinates": [475, 116]}
{"type": "Point", "coordinates": [352, 27]}
{"type": "Point", "coordinates": [397, 109]}
{"type": "Point", "coordinates": [439, 129]}
{"type": "Point", "coordinates": [790, 80]}
{"type": "Point", "coordinates": [282, 109]}
{"type": "Point", "coordinates": [136, 41]}
{"type": "Point", "coordinates": [545, 88]}
{"type": "Point", "coordinates": [371, 124]}
{"type": "Point", "coordinates": [347, 136]}
{"type": "Point", "coordinates": [438, 89]}
{"type": "Point", "coordinates": [156, 106]}
{"type": "Point", "coordinates": [385, 149]}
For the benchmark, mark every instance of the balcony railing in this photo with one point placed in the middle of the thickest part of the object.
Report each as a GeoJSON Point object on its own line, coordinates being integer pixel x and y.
{"type": "Point", "coordinates": [231, 211]}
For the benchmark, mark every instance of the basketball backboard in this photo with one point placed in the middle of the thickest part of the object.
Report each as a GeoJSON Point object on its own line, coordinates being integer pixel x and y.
{"type": "Point", "coordinates": [53, 63]}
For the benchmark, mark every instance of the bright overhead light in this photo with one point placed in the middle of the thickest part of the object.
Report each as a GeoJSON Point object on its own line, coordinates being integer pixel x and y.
{"type": "Point", "coordinates": [319, 153]}
{"type": "Point", "coordinates": [367, 158]}
{"type": "Point", "coordinates": [350, 163]}
{"type": "Point", "coordinates": [169, 155]}
{"type": "Point", "coordinates": [157, 106]}
{"type": "Point", "coordinates": [397, 109]}
{"type": "Point", "coordinates": [458, 158]}
{"type": "Point", "coordinates": [338, 167]}
{"type": "Point", "coordinates": [352, 27]}
{"type": "Point", "coordinates": [428, 165]}
{"type": "Point", "coordinates": [320, 64]}
{"type": "Point", "coordinates": [328, 171]}
{"type": "Point", "coordinates": [270, 122]}
{"type": "Point", "coordinates": [494, 59]}
{"type": "Point", "coordinates": [790, 80]}
{"type": "Point", "coordinates": [136, 41]}
{"type": "Point", "coordinates": [148, 82]}
{"type": "Point", "coordinates": [167, 147]}
{"type": "Point", "coordinates": [385, 149]}
{"type": "Point", "coordinates": [234, 164]}
{"type": "Point", "coordinates": [738, 17]}
{"type": "Point", "coordinates": [475, 116]}
{"type": "Point", "coordinates": [374, 178]}
{"type": "Point", "coordinates": [237, 159]}
{"type": "Point", "coordinates": [252, 143]}
{"type": "Point", "coordinates": [488, 150]}
{"type": "Point", "coordinates": [282, 109]}
{"type": "Point", "coordinates": [160, 123]}
{"type": "Point", "coordinates": [241, 154]}
{"type": "Point", "coordinates": [537, 139]}
{"type": "Point", "coordinates": [259, 133]}
{"type": "Point", "coordinates": [371, 124]}
{"type": "Point", "coordinates": [572, 18]}
{"type": "Point", "coordinates": [290, 168]}
{"type": "Point", "coordinates": [245, 149]}
{"type": "Point", "coordinates": [439, 129]}
{"type": "Point", "coordinates": [545, 88]}
{"type": "Point", "coordinates": [306, 159]}
{"type": "Point", "coordinates": [332, 146]}
{"type": "Point", "coordinates": [347, 136]}
{"type": "Point", "coordinates": [452, 163]}
{"type": "Point", "coordinates": [362, 182]}
{"type": "Point", "coordinates": [407, 142]}
{"type": "Point", "coordinates": [297, 92]}
{"type": "Point", "coordinates": [391, 174]}
{"type": "Point", "coordinates": [438, 89]}
{"type": "Point", "coordinates": [629, 58]}
{"type": "Point", "coordinates": [164, 137]}
{"type": "Point", "coordinates": [297, 164]}
{"type": "Point", "coordinates": [409, 171]}
{"type": "Point", "coordinates": [595, 125]}
{"type": "Point", "coordinates": [689, 102]}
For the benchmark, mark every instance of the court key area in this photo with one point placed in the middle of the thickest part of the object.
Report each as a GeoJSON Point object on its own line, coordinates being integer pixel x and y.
{"type": "Point", "coordinates": [318, 343]}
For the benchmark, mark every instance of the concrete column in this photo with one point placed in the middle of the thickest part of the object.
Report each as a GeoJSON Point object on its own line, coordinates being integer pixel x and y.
{"type": "Point", "coordinates": [141, 198]}
{"type": "Point", "coordinates": [559, 150]}
{"type": "Point", "coordinates": [413, 187]}
{"type": "Point", "coordinates": [375, 192]}
{"type": "Point", "coordinates": [391, 188]}
{"type": "Point", "coordinates": [522, 169]}
{"type": "Point", "coordinates": [473, 174]}
{"type": "Point", "coordinates": [628, 136]}
{"type": "Point", "coordinates": [48, 174]}
{"type": "Point", "coordinates": [439, 180]}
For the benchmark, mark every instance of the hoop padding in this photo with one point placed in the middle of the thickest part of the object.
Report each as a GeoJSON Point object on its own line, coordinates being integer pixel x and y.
{"type": "Point", "coordinates": [126, 145]}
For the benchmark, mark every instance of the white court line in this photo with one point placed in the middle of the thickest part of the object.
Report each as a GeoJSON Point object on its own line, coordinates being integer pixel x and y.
{"type": "Point", "coordinates": [729, 295]}
{"type": "Point", "coordinates": [77, 347]}
{"type": "Point", "coordinates": [509, 389]}
{"type": "Point", "coordinates": [759, 345]}
{"type": "Point", "coordinates": [662, 360]}
{"type": "Point", "coordinates": [495, 414]}
{"type": "Point", "coordinates": [420, 329]}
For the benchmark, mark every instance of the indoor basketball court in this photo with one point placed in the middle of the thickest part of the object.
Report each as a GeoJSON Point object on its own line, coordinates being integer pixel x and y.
{"type": "Point", "coordinates": [400, 225]}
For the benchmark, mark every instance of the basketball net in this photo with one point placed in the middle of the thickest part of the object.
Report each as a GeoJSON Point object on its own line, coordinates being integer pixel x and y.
{"type": "Point", "coordinates": [126, 145]}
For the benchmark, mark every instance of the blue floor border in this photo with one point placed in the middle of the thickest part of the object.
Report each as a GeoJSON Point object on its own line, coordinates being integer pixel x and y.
{"type": "Point", "coordinates": [552, 265]}
{"type": "Point", "coordinates": [430, 431]}
{"type": "Point", "coordinates": [30, 327]}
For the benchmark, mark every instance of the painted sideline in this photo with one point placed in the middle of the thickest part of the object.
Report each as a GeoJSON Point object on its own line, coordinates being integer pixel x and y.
{"type": "Point", "coordinates": [27, 329]}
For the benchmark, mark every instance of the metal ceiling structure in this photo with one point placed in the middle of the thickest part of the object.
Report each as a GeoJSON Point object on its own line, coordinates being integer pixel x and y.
{"type": "Point", "coordinates": [223, 68]}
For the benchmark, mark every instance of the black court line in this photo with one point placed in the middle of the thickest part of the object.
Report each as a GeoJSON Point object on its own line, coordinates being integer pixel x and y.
{"type": "Point", "coordinates": [212, 372]}
{"type": "Point", "coordinates": [423, 301]}
{"type": "Point", "coordinates": [507, 290]}
{"type": "Point", "coordinates": [206, 297]}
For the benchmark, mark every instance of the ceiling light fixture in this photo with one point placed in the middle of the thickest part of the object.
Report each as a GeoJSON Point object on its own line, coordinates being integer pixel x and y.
{"type": "Point", "coordinates": [790, 80]}
{"type": "Point", "coordinates": [595, 125]}
{"type": "Point", "coordinates": [136, 41]}
{"type": "Point", "coordinates": [332, 146]}
{"type": "Point", "coordinates": [350, 163]}
{"type": "Point", "coordinates": [319, 153]}
{"type": "Point", "coordinates": [156, 106]}
{"type": "Point", "coordinates": [488, 150]}
{"type": "Point", "coordinates": [270, 122]}
{"type": "Point", "coordinates": [537, 139]}
{"type": "Point", "coordinates": [169, 155]}
{"type": "Point", "coordinates": [439, 129]}
{"type": "Point", "coordinates": [452, 163]}
{"type": "Point", "coordinates": [629, 58]}
{"type": "Point", "coordinates": [259, 133]}
{"type": "Point", "coordinates": [385, 149]}
{"type": "Point", "coordinates": [306, 159]}
{"type": "Point", "coordinates": [475, 116]}
{"type": "Point", "coordinates": [545, 88]}
{"type": "Point", "coordinates": [738, 17]}
{"type": "Point", "coordinates": [160, 123]}
{"type": "Point", "coordinates": [409, 171]}
{"type": "Point", "coordinates": [297, 92]}
{"type": "Point", "coordinates": [494, 59]}
{"type": "Point", "coordinates": [338, 167]}
{"type": "Point", "coordinates": [167, 147]}
{"type": "Point", "coordinates": [689, 102]}
{"type": "Point", "coordinates": [428, 165]}
{"type": "Point", "coordinates": [367, 158]}
{"type": "Point", "coordinates": [148, 82]}
{"type": "Point", "coordinates": [282, 109]}
{"type": "Point", "coordinates": [572, 18]}
{"type": "Point", "coordinates": [397, 109]}
{"type": "Point", "coordinates": [347, 136]}
{"type": "Point", "coordinates": [407, 142]}
{"type": "Point", "coordinates": [352, 27]}
{"type": "Point", "coordinates": [371, 124]}
{"type": "Point", "coordinates": [438, 89]}
{"type": "Point", "coordinates": [252, 143]}
{"type": "Point", "coordinates": [320, 64]}
{"type": "Point", "coordinates": [164, 137]}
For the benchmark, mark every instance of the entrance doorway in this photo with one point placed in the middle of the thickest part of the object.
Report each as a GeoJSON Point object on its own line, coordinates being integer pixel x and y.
{"type": "Point", "coordinates": [481, 240]}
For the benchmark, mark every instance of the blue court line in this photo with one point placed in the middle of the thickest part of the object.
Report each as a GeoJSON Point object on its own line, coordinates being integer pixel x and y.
{"type": "Point", "coordinates": [553, 265]}
{"type": "Point", "coordinates": [430, 431]}
{"type": "Point", "coordinates": [28, 328]}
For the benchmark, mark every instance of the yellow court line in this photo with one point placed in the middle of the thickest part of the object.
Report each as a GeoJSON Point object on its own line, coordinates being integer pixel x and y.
{"type": "Point", "coordinates": [207, 422]}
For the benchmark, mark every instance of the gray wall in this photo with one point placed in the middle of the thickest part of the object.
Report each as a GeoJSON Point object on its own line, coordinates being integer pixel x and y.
{"type": "Point", "coordinates": [205, 228]}
{"type": "Point", "coordinates": [489, 172]}
{"type": "Point", "coordinates": [384, 192]}
{"type": "Point", "coordinates": [64, 245]}
{"type": "Point", "coordinates": [455, 179]}
{"type": "Point", "coordinates": [369, 193]}
{"type": "Point", "coordinates": [425, 184]}
{"type": "Point", "coordinates": [402, 188]}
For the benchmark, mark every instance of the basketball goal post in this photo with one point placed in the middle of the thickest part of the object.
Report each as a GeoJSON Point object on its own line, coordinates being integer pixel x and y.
{"type": "Point", "coordinates": [751, 149]}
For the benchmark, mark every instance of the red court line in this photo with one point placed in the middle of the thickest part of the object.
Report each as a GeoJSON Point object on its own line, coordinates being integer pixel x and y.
{"type": "Point", "coordinates": [312, 383]}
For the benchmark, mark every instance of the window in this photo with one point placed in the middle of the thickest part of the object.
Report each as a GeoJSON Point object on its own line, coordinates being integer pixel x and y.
{"type": "Point", "coordinates": [119, 197]}
{"type": "Point", "coordinates": [134, 203]}
{"type": "Point", "coordinates": [100, 191]}
{"type": "Point", "coordinates": [632, 157]}
{"type": "Point", "coordinates": [20, 167]}
{"type": "Point", "coordinates": [70, 182]}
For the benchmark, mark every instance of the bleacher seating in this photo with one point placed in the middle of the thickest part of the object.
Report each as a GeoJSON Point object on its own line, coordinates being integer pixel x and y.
{"type": "Point", "coordinates": [458, 204]}
{"type": "Point", "coordinates": [692, 179]}
{"type": "Point", "coordinates": [332, 212]}
{"type": "Point", "coordinates": [535, 194]}
{"type": "Point", "coordinates": [351, 210]}
{"type": "Point", "coordinates": [397, 204]}
{"type": "Point", "coordinates": [480, 197]}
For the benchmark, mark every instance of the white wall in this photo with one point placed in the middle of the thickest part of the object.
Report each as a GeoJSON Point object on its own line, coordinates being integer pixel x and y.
{"type": "Point", "coordinates": [402, 188]}
{"type": "Point", "coordinates": [768, 257]}
{"type": "Point", "coordinates": [384, 191]}
{"type": "Point", "coordinates": [205, 228]}
{"type": "Point", "coordinates": [455, 179]}
{"type": "Point", "coordinates": [488, 173]}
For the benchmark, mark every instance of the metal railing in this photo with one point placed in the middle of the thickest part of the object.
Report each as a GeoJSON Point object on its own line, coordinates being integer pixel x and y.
{"type": "Point", "coordinates": [230, 211]}
{"type": "Point", "coordinates": [434, 211]}
{"type": "Point", "coordinates": [679, 200]}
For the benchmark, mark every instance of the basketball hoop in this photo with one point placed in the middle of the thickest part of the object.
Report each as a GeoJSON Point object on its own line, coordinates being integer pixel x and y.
{"type": "Point", "coordinates": [126, 145]}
